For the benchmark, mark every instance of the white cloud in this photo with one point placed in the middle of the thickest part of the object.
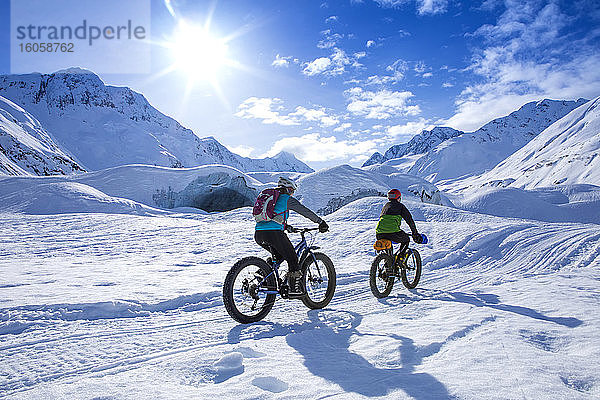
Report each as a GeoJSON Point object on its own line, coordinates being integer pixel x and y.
{"type": "Point", "coordinates": [407, 130]}
{"type": "Point", "coordinates": [333, 65]}
{"type": "Point", "coordinates": [526, 57]}
{"type": "Point", "coordinates": [420, 67]}
{"type": "Point", "coordinates": [242, 150]}
{"type": "Point", "coordinates": [424, 7]}
{"type": "Point", "coordinates": [398, 68]}
{"type": "Point", "coordinates": [432, 6]}
{"type": "Point", "coordinates": [262, 108]}
{"type": "Point", "coordinates": [447, 85]}
{"type": "Point", "coordinates": [343, 127]}
{"type": "Point", "coordinates": [281, 61]}
{"type": "Point", "coordinates": [270, 112]}
{"type": "Point", "coordinates": [330, 40]}
{"type": "Point", "coordinates": [317, 66]}
{"type": "Point", "coordinates": [314, 147]}
{"type": "Point", "coordinates": [370, 43]}
{"type": "Point", "coordinates": [382, 104]}
{"type": "Point", "coordinates": [314, 115]}
{"type": "Point", "coordinates": [427, 75]}
{"type": "Point", "coordinates": [333, 18]}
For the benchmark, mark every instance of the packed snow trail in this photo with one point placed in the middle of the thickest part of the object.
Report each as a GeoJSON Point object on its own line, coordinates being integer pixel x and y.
{"type": "Point", "coordinates": [120, 306]}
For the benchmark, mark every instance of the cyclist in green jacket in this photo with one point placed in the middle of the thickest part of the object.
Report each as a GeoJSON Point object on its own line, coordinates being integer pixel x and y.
{"type": "Point", "coordinates": [391, 217]}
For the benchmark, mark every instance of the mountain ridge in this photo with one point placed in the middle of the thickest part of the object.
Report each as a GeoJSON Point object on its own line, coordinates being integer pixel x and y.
{"type": "Point", "coordinates": [478, 151]}
{"type": "Point", "coordinates": [105, 126]}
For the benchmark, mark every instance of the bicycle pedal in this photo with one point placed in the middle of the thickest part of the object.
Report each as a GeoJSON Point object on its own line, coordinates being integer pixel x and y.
{"type": "Point", "coordinates": [283, 292]}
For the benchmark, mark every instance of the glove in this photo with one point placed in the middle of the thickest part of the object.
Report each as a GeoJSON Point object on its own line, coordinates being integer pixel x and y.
{"type": "Point", "coordinates": [323, 227]}
{"type": "Point", "coordinates": [417, 237]}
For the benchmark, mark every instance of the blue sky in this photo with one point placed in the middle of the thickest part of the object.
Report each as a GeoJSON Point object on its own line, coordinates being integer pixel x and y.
{"type": "Point", "coordinates": [334, 81]}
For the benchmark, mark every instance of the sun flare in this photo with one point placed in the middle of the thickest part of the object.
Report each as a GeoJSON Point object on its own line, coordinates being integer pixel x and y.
{"type": "Point", "coordinates": [197, 53]}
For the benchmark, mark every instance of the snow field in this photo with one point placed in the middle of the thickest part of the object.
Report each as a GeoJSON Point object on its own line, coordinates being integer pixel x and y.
{"type": "Point", "coordinates": [124, 306]}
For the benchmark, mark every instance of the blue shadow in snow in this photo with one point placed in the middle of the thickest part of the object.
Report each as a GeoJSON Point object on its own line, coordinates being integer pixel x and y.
{"type": "Point", "coordinates": [490, 301]}
{"type": "Point", "coordinates": [325, 344]}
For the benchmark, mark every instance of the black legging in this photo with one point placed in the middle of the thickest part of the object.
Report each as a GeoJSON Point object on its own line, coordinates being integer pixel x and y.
{"type": "Point", "coordinates": [397, 237]}
{"type": "Point", "coordinates": [277, 242]}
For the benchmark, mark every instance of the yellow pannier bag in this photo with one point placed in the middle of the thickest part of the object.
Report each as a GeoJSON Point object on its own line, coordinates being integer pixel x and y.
{"type": "Point", "coordinates": [382, 244]}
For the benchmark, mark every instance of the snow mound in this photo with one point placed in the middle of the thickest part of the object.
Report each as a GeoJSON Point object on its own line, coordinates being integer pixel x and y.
{"type": "Point", "coordinates": [229, 362]}
{"type": "Point", "coordinates": [273, 177]}
{"type": "Point", "coordinates": [543, 205]}
{"type": "Point", "coordinates": [69, 197]}
{"type": "Point", "coordinates": [329, 189]}
{"type": "Point", "coordinates": [210, 188]}
{"type": "Point", "coordinates": [229, 365]}
{"type": "Point", "coordinates": [369, 209]}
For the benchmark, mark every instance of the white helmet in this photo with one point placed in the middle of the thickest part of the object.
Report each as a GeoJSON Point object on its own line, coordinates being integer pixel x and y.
{"type": "Point", "coordinates": [286, 183]}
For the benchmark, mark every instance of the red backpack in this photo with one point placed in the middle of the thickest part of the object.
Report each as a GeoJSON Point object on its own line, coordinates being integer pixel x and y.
{"type": "Point", "coordinates": [264, 206]}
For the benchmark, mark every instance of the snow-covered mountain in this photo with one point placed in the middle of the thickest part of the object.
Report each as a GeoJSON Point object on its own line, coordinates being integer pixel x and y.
{"type": "Point", "coordinates": [566, 153]}
{"type": "Point", "coordinates": [421, 143]}
{"type": "Point", "coordinates": [26, 148]}
{"type": "Point", "coordinates": [474, 153]}
{"type": "Point", "coordinates": [482, 150]}
{"type": "Point", "coordinates": [329, 189]}
{"type": "Point", "coordinates": [105, 126]}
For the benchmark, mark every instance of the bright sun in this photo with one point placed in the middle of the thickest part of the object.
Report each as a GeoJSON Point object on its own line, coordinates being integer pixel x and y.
{"type": "Point", "coordinates": [197, 53]}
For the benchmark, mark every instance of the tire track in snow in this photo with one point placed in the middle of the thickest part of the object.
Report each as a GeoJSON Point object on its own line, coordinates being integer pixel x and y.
{"type": "Point", "coordinates": [141, 338]}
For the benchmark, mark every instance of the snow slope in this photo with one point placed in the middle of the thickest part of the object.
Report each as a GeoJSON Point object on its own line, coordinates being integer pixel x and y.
{"type": "Point", "coordinates": [105, 126]}
{"type": "Point", "coordinates": [450, 154]}
{"type": "Point", "coordinates": [129, 307]}
{"type": "Point", "coordinates": [209, 187]}
{"type": "Point", "coordinates": [567, 152]}
{"type": "Point", "coordinates": [549, 204]}
{"type": "Point", "coordinates": [26, 148]}
{"type": "Point", "coordinates": [69, 197]}
{"type": "Point", "coordinates": [482, 150]}
{"type": "Point", "coordinates": [328, 189]}
{"type": "Point", "coordinates": [222, 188]}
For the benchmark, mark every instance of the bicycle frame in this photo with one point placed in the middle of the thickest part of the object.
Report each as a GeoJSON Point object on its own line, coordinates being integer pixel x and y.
{"type": "Point", "coordinates": [390, 251]}
{"type": "Point", "coordinates": [303, 250]}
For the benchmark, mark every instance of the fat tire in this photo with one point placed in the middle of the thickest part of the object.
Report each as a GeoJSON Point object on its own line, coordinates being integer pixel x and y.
{"type": "Point", "coordinates": [331, 280]}
{"type": "Point", "coordinates": [388, 260]}
{"type": "Point", "coordinates": [228, 290]}
{"type": "Point", "coordinates": [419, 268]}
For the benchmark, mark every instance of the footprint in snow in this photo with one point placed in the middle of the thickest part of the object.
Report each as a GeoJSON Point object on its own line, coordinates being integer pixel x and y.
{"type": "Point", "coordinates": [228, 366]}
{"type": "Point", "coordinates": [548, 341]}
{"type": "Point", "coordinates": [270, 384]}
{"type": "Point", "coordinates": [584, 385]}
{"type": "Point", "coordinates": [249, 352]}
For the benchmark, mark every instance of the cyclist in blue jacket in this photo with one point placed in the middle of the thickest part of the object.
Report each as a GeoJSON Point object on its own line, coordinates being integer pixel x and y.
{"type": "Point", "coordinates": [271, 236]}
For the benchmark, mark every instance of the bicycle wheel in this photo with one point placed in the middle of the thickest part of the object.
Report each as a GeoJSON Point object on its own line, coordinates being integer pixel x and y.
{"type": "Point", "coordinates": [411, 270]}
{"type": "Point", "coordinates": [241, 295]}
{"type": "Point", "coordinates": [381, 278]}
{"type": "Point", "coordinates": [318, 279]}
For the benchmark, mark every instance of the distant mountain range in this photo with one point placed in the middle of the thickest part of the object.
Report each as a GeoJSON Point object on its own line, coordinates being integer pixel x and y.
{"type": "Point", "coordinates": [419, 144]}
{"type": "Point", "coordinates": [565, 153]}
{"type": "Point", "coordinates": [94, 126]}
{"type": "Point", "coordinates": [449, 154]}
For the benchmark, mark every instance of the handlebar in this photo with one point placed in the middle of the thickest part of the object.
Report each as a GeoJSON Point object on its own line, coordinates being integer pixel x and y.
{"type": "Point", "coordinates": [291, 229]}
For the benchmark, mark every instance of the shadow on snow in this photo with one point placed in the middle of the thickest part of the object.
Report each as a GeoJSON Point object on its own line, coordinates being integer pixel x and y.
{"type": "Point", "coordinates": [482, 300]}
{"type": "Point", "coordinates": [324, 343]}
